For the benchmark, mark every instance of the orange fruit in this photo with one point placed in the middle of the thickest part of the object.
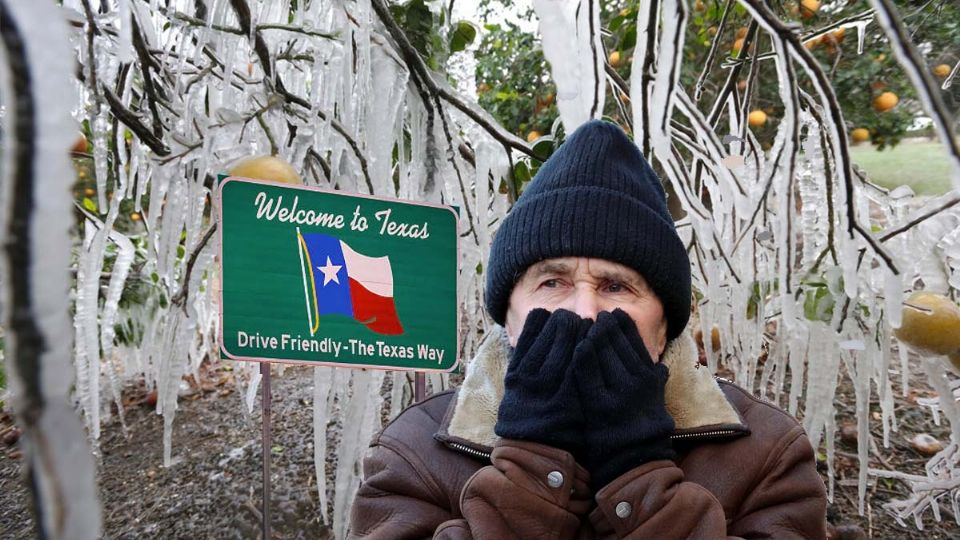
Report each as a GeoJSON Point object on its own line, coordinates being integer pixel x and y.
{"type": "Point", "coordinates": [860, 135]}
{"type": "Point", "coordinates": [614, 58]}
{"type": "Point", "coordinates": [80, 146]}
{"type": "Point", "coordinates": [809, 8]}
{"type": "Point", "coordinates": [714, 338]}
{"type": "Point", "coordinates": [885, 101]}
{"type": "Point", "coordinates": [533, 135]}
{"type": "Point", "coordinates": [135, 216]}
{"type": "Point", "coordinates": [942, 71]}
{"type": "Point", "coordinates": [757, 118]}
{"type": "Point", "coordinates": [267, 168]}
{"type": "Point", "coordinates": [699, 6]}
{"type": "Point", "coordinates": [89, 192]}
{"type": "Point", "coordinates": [931, 324]}
{"type": "Point", "coordinates": [839, 34]}
{"type": "Point", "coordinates": [741, 32]}
{"type": "Point", "coordinates": [482, 88]}
{"type": "Point", "coordinates": [737, 45]}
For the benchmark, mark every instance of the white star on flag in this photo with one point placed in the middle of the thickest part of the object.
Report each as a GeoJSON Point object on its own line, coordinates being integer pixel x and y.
{"type": "Point", "coordinates": [330, 272]}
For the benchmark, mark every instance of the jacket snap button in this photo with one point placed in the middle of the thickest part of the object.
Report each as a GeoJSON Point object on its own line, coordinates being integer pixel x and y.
{"type": "Point", "coordinates": [555, 479]}
{"type": "Point", "coordinates": [624, 509]}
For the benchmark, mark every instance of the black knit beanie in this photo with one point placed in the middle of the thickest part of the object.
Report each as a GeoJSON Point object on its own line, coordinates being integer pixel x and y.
{"type": "Point", "coordinates": [595, 197]}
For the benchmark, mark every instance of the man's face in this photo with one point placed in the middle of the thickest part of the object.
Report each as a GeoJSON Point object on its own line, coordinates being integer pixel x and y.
{"type": "Point", "coordinates": [587, 286]}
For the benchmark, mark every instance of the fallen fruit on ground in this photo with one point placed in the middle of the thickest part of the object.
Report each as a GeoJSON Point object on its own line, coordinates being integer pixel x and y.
{"type": "Point", "coordinates": [931, 324]}
{"type": "Point", "coordinates": [926, 444]}
{"type": "Point", "coordinates": [267, 168]}
{"type": "Point", "coordinates": [860, 135]}
{"type": "Point", "coordinates": [885, 101]}
{"type": "Point", "coordinates": [757, 118]}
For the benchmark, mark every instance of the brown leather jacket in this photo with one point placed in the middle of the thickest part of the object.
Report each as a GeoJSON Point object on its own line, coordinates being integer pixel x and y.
{"type": "Point", "coordinates": [744, 469]}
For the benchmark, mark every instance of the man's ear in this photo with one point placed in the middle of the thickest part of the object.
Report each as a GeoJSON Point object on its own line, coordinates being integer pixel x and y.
{"type": "Point", "coordinates": [662, 337]}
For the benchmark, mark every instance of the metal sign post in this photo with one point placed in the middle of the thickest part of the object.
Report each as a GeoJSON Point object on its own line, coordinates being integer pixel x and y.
{"type": "Point", "coordinates": [419, 387]}
{"type": "Point", "coordinates": [265, 399]}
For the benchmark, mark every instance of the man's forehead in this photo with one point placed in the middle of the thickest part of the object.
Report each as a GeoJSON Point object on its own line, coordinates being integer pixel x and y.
{"type": "Point", "coordinates": [592, 266]}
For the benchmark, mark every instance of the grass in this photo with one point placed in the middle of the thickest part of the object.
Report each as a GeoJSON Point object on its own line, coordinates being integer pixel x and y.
{"type": "Point", "coordinates": [920, 163]}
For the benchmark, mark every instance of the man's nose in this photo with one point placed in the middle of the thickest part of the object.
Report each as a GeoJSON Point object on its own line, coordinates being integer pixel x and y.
{"type": "Point", "coordinates": [586, 303]}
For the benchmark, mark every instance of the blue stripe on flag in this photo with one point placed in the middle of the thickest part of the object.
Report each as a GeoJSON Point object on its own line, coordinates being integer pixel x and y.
{"type": "Point", "coordinates": [332, 286]}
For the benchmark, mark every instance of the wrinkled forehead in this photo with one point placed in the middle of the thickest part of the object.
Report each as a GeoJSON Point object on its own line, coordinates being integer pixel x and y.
{"type": "Point", "coordinates": [583, 267]}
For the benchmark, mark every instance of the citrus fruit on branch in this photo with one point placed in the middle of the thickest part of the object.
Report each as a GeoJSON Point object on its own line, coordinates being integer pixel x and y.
{"type": "Point", "coordinates": [931, 325]}
{"type": "Point", "coordinates": [267, 168]}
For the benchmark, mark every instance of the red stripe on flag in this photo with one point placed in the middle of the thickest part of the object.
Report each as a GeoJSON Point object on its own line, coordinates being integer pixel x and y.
{"type": "Point", "coordinates": [377, 312]}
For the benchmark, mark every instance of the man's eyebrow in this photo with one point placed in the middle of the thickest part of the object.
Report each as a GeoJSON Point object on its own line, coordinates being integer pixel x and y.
{"type": "Point", "coordinates": [549, 267]}
{"type": "Point", "coordinates": [615, 274]}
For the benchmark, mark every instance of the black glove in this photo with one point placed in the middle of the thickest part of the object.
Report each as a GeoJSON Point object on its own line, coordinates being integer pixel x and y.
{"type": "Point", "coordinates": [622, 394]}
{"type": "Point", "coordinates": [540, 396]}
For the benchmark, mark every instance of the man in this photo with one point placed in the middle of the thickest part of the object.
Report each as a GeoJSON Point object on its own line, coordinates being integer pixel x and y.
{"type": "Point", "coordinates": [586, 415]}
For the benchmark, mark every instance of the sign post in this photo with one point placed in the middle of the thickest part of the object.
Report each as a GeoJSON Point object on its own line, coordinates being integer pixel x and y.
{"type": "Point", "coordinates": [319, 277]}
{"type": "Point", "coordinates": [267, 443]}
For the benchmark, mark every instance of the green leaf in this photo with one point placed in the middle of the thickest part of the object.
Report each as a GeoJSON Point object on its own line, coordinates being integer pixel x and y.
{"type": "Point", "coordinates": [462, 36]}
{"type": "Point", "coordinates": [543, 146]}
{"type": "Point", "coordinates": [521, 172]}
{"type": "Point", "coordinates": [818, 304]}
{"type": "Point", "coordinates": [629, 40]}
{"type": "Point", "coordinates": [89, 204]}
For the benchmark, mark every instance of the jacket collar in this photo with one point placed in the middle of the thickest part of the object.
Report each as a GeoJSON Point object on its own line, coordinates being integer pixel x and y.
{"type": "Point", "coordinates": [698, 406]}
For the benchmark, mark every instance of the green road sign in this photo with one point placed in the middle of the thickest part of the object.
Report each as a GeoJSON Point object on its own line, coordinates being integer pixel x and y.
{"type": "Point", "coordinates": [321, 277]}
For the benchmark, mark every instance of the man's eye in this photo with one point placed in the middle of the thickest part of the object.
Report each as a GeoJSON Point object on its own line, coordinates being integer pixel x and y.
{"type": "Point", "coordinates": [550, 283]}
{"type": "Point", "coordinates": [616, 287]}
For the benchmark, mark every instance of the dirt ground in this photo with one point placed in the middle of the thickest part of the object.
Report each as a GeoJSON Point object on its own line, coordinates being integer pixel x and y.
{"type": "Point", "coordinates": [213, 488]}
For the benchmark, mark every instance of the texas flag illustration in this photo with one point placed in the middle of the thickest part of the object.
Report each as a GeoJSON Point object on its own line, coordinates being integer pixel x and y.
{"type": "Point", "coordinates": [345, 282]}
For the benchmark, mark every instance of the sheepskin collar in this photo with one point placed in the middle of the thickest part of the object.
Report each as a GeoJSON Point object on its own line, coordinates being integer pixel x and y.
{"type": "Point", "coordinates": [692, 395]}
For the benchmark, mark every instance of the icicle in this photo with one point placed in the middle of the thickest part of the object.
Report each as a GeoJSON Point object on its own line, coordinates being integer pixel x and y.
{"type": "Point", "coordinates": [37, 52]}
{"type": "Point", "coordinates": [99, 127]}
{"type": "Point", "coordinates": [571, 44]}
{"type": "Point", "coordinates": [322, 379]}
{"type": "Point", "coordinates": [861, 27]}
{"type": "Point", "coordinates": [365, 397]}
{"type": "Point", "coordinates": [125, 42]}
{"type": "Point", "coordinates": [893, 297]}
{"type": "Point", "coordinates": [904, 369]}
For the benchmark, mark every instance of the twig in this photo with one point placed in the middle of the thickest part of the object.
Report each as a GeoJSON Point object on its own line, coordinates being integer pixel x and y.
{"type": "Point", "coordinates": [130, 120]}
{"type": "Point", "coordinates": [920, 219]}
{"type": "Point", "coordinates": [419, 67]}
{"type": "Point", "coordinates": [712, 53]}
{"type": "Point", "coordinates": [180, 299]}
